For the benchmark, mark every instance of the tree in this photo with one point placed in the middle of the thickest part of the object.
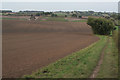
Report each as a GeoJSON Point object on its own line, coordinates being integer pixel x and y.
{"type": "Point", "coordinates": [53, 15]}
{"type": "Point", "coordinates": [101, 26]}
{"type": "Point", "coordinates": [116, 16]}
{"type": "Point", "coordinates": [65, 15]}
{"type": "Point", "coordinates": [32, 17]}
{"type": "Point", "coordinates": [80, 16]}
{"type": "Point", "coordinates": [6, 11]}
{"type": "Point", "coordinates": [37, 14]}
{"type": "Point", "coordinates": [74, 15]}
{"type": "Point", "coordinates": [91, 12]}
{"type": "Point", "coordinates": [47, 13]}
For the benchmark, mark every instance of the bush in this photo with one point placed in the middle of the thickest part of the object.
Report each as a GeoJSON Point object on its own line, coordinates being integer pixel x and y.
{"type": "Point", "coordinates": [80, 16]}
{"type": "Point", "coordinates": [74, 15]}
{"type": "Point", "coordinates": [101, 26]}
{"type": "Point", "coordinates": [65, 15]}
{"type": "Point", "coordinates": [47, 13]}
{"type": "Point", "coordinates": [53, 15]}
{"type": "Point", "coordinates": [37, 14]}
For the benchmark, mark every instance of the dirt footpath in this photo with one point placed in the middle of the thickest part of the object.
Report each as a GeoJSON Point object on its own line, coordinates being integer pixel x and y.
{"type": "Point", "coordinates": [28, 46]}
{"type": "Point", "coordinates": [97, 68]}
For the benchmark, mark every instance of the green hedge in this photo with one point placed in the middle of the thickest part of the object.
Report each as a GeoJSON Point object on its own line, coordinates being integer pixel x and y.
{"type": "Point", "coordinates": [101, 26]}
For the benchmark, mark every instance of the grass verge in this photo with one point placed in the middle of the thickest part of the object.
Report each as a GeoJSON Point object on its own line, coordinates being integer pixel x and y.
{"type": "Point", "coordinates": [56, 19]}
{"type": "Point", "coordinates": [109, 67]}
{"type": "Point", "coordinates": [12, 18]}
{"type": "Point", "coordinates": [77, 65]}
{"type": "Point", "coordinates": [79, 21]}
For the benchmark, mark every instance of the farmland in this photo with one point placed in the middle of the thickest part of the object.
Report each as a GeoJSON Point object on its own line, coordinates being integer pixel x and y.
{"type": "Point", "coordinates": [40, 41]}
{"type": "Point", "coordinates": [30, 45]}
{"type": "Point", "coordinates": [80, 64]}
{"type": "Point", "coordinates": [44, 18]}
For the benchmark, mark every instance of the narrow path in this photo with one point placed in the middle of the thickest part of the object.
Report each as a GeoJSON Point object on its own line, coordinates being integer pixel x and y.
{"type": "Point", "coordinates": [97, 68]}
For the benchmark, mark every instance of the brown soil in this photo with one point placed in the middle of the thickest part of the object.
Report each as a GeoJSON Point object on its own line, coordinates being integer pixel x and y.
{"type": "Point", "coordinates": [18, 17]}
{"type": "Point", "coordinates": [30, 45]}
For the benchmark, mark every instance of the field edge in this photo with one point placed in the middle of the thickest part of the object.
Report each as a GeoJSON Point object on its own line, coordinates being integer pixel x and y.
{"type": "Point", "coordinates": [51, 71]}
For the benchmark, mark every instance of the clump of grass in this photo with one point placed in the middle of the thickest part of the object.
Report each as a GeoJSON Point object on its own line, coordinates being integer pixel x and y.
{"type": "Point", "coordinates": [77, 65]}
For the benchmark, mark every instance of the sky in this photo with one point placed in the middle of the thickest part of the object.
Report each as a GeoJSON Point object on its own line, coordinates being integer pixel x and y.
{"type": "Point", "coordinates": [61, 5]}
{"type": "Point", "coordinates": [60, 0]}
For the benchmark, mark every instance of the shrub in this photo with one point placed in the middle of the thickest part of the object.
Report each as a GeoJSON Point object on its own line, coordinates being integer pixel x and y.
{"type": "Point", "coordinates": [65, 15]}
{"type": "Point", "coordinates": [47, 13]}
{"type": "Point", "coordinates": [37, 14]}
{"type": "Point", "coordinates": [80, 16]}
{"type": "Point", "coordinates": [74, 15]}
{"type": "Point", "coordinates": [53, 15]}
{"type": "Point", "coordinates": [101, 26]}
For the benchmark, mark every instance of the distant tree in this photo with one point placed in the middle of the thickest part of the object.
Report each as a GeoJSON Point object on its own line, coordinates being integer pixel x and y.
{"type": "Point", "coordinates": [115, 16]}
{"type": "Point", "coordinates": [65, 15]}
{"type": "Point", "coordinates": [38, 14]}
{"type": "Point", "coordinates": [46, 13]}
{"type": "Point", "coordinates": [91, 12]}
{"type": "Point", "coordinates": [32, 17]}
{"type": "Point", "coordinates": [53, 15]}
{"type": "Point", "coordinates": [99, 13]}
{"type": "Point", "coordinates": [6, 11]}
{"type": "Point", "coordinates": [80, 16]}
{"type": "Point", "coordinates": [101, 26]}
{"type": "Point", "coordinates": [74, 15]}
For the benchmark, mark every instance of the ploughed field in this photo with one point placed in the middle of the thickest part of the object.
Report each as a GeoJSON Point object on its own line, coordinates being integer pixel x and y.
{"type": "Point", "coordinates": [30, 45]}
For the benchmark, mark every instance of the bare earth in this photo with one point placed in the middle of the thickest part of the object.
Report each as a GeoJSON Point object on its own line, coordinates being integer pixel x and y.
{"type": "Point", "coordinates": [30, 45]}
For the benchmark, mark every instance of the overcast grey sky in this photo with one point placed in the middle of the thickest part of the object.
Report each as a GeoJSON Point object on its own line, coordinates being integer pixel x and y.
{"type": "Point", "coordinates": [63, 6]}
{"type": "Point", "coordinates": [60, 0]}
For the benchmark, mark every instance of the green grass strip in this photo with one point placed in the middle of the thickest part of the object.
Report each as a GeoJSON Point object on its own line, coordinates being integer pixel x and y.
{"type": "Point", "coordinates": [13, 18]}
{"type": "Point", "coordinates": [79, 21]}
{"type": "Point", "coordinates": [109, 67]}
{"type": "Point", "coordinates": [56, 19]}
{"type": "Point", "coordinates": [77, 65]}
